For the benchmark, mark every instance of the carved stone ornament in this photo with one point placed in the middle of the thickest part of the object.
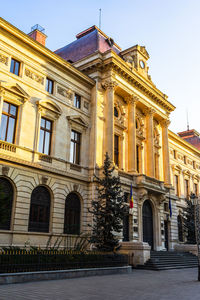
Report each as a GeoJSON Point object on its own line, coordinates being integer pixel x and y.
{"type": "Point", "coordinates": [161, 199]}
{"type": "Point", "coordinates": [109, 84]}
{"type": "Point", "coordinates": [44, 179]}
{"type": "Point", "coordinates": [142, 193]}
{"type": "Point", "coordinates": [75, 187]}
{"type": "Point", "coordinates": [149, 111]}
{"type": "Point", "coordinates": [5, 170]}
{"type": "Point", "coordinates": [165, 123]}
{"type": "Point", "coordinates": [132, 99]}
{"type": "Point", "coordinates": [4, 59]}
{"type": "Point", "coordinates": [65, 92]}
{"type": "Point", "coordinates": [34, 76]}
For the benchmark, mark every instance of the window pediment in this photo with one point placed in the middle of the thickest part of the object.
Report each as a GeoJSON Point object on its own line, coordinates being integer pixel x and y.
{"type": "Point", "coordinates": [15, 93]}
{"type": "Point", "coordinates": [78, 120]}
{"type": "Point", "coordinates": [49, 108]}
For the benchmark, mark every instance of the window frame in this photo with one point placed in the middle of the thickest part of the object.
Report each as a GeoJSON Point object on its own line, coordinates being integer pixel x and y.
{"type": "Point", "coordinates": [76, 145]}
{"type": "Point", "coordinates": [77, 99]}
{"type": "Point", "coordinates": [116, 150]}
{"type": "Point", "coordinates": [50, 131]}
{"type": "Point", "coordinates": [74, 210]}
{"type": "Point", "coordinates": [47, 86]}
{"type": "Point", "coordinates": [9, 115]}
{"type": "Point", "coordinates": [15, 61]}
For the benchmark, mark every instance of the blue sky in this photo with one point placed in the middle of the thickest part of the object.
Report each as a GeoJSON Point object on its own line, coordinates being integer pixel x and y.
{"type": "Point", "coordinates": [169, 30]}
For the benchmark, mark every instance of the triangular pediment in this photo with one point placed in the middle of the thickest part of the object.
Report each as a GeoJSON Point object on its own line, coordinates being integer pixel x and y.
{"type": "Point", "coordinates": [78, 119]}
{"type": "Point", "coordinates": [17, 89]}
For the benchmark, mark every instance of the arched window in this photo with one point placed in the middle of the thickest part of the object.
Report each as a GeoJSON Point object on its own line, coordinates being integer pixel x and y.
{"type": "Point", "coordinates": [180, 228]}
{"type": "Point", "coordinates": [39, 210]}
{"type": "Point", "coordinates": [6, 201]}
{"type": "Point", "coordinates": [116, 113]}
{"type": "Point", "coordinates": [72, 214]}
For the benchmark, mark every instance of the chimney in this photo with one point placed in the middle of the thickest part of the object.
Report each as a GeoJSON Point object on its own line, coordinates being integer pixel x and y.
{"type": "Point", "coordinates": [37, 33]}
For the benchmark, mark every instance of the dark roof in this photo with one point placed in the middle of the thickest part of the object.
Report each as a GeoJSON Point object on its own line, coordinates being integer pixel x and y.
{"type": "Point", "coordinates": [191, 136]}
{"type": "Point", "coordinates": [88, 42]}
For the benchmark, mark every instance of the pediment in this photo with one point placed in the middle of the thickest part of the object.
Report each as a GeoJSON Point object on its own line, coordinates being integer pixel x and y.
{"type": "Point", "coordinates": [79, 120]}
{"type": "Point", "coordinates": [49, 105]}
{"type": "Point", "coordinates": [15, 89]}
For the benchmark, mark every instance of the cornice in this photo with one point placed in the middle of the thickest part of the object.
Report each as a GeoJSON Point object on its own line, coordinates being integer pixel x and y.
{"type": "Point", "coordinates": [43, 50]}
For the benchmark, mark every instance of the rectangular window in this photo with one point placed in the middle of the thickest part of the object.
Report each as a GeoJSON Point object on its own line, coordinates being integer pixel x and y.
{"type": "Point", "coordinates": [8, 122]}
{"type": "Point", "coordinates": [177, 185]}
{"type": "Point", "coordinates": [138, 158]}
{"type": "Point", "coordinates": [49, 86]}
{"type": "Point", "coordinates": [77, 101]}
{"type": "Point", "coordinates": [187, 188]}
{"type": "Point", "coordinates": [45, 136]}
{"type": "Point", "coordinates": [15, 66]}
{"type": "Point", "coordinates": [116, 150]}
{"type": "Point", "coordinates": [196, 189]}
{"type": "Point", "coordinates": [75, 147]}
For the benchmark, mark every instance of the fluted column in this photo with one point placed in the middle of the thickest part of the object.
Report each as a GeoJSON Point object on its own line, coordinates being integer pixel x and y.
{"type": "Point", "coordinates": [132, 100]}
{"type": "Point", "coordinates": [149, 112]}
{"type": "Point", "coordinates": [165, 149]}
{"type": "Point", "coordinates": [110, 86]}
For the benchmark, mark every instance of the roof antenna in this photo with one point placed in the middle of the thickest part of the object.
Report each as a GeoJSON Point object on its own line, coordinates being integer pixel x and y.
{"type": "Point", "coordinates": [100, 18]}
{"type": "Point", "coordinates": [187, 120]}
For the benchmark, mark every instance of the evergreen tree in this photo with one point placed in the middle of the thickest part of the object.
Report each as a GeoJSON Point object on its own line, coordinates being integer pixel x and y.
{"type": "Point", "coordinates": [189, 222]}
{"type": "Point", "coordinates": [108, 210]}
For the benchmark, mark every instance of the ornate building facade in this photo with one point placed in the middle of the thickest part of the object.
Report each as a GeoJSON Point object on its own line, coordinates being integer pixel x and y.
{"type": "Point", "coordinates": [59, 113]}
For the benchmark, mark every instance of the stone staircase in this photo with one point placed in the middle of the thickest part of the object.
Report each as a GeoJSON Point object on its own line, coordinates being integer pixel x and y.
{"type": "Point", "coordinates": [165, 260]}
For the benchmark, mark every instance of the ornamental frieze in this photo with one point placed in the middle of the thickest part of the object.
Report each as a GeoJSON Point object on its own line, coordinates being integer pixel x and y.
{"type": "Point", "coordinates": [34, 76]}
{"type": "Point", "coordinates": [65, 93]}
{"type": "Point", "coordinates": [4, 59]}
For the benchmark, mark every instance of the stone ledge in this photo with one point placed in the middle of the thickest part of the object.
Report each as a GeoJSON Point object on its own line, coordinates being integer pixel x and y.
{"type": "Point", "coordinates": [8, 278]}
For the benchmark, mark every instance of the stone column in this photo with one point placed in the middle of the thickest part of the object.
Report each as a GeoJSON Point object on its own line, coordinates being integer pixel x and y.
{"type": "Point", "coordinates": [149, 112]}
{"type": "Point", "coordinates": [165, 149]}
{"type": "Point", "coordinates": [2, 92]}
{"type": "Point", "coordinates": [110, 86]}
{"type": "Point", "coordinates": [132, 100]}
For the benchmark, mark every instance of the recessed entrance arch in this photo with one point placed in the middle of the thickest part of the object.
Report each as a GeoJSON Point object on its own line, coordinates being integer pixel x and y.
{"type": "Point", "coordinates": [147, 220]}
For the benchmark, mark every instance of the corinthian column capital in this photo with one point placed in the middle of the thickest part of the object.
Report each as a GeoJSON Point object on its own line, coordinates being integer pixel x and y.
{"type": "Point", "coordinates": [149, 111]}
{"type": "Point", "coordinates": [109, 84]}
{"type": "Point", "coordinates": [132, 99]}
{"type": "Point", "coordinates": [165, 123]}
{"type": "Point", "coordinates": [2, 91]}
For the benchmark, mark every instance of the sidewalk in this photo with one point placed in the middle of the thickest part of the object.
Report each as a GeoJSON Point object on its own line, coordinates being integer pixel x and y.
{"type": "Point", "coordinates": [139, 285]}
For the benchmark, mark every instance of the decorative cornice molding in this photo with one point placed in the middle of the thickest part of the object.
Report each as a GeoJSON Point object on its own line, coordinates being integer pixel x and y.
{"type": "Point", "coordinates": [165, 123]}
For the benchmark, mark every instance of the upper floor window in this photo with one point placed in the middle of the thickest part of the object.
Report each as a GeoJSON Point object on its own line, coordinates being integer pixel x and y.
{"type": "Point", "coordinates": [116, 149]}
{"type": "Point", "coordinates": [45, 136]}
{"type": "Point", "coordinates": [116, 113]}
{"type": "Point", "coordinates": [177, 185]}
{"type": "Point", "coordinates": [187, 192]}
{"type": "Point", "coordinates": [49, 86]}
{"type": "Point", "coordinates": [75, 147]}
{"type": "Point", "coordinates": [77, 101]}
{"type": "Point", "coordinates": [137, 158]}
{"type": "Point", "coordinates": [8, 122]}
{"type": "Point", "coordinates": [15, 66]}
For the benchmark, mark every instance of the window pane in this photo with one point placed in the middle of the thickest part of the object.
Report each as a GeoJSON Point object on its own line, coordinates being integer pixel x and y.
{"type": "Point", "coordinates": [11, 128]}
{"type": "Point", "coordinates": [13, 110]}
{"type": "Point", "coordinates": [16, 68]}
{"type": "Point", "coordinates": [42, 123]}
{"type": "Point", "coordinates": [48, 125]}
{"type": "Point", "coordinates": [3, 127]}
{"type": "Point", "coordinates": [5, 107]}
{"type": "Point", "coordinates": [72, 135]}
{"type": "Point", "coordinates": [41, 142]}
{"type": "Point", "coordinates": [12, 66]}
{"type": "Point", "coordinates": [72, 152]}
{"type": "Point", "coordinates": [47, 143]}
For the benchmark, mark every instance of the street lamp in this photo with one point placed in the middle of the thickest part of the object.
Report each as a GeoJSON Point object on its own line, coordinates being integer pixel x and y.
{"type": "Point", "coordinates": [195, 201]}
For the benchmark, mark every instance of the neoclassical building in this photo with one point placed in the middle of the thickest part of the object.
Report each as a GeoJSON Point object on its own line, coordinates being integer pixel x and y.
{"type": "Point", "coordinates": [60, 112]}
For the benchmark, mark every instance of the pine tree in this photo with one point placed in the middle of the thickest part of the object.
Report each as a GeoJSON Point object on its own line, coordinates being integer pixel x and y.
{"type": "Point", "coordinates": [189, 222]}
{"type": "Point", "coordinates": [108, 210]}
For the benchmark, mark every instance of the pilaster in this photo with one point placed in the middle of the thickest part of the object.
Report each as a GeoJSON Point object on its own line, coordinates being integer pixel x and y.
{"type": "Point", "coordinates": [165, 148]}
{"type": "Point", "coordinates": [149, 112]}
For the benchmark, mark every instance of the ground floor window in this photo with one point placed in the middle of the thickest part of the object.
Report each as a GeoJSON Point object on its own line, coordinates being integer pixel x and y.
{"type": "Point", "coordinates": [40, 210]}
{"type": "Point", "coordinates": [72, 214]}
{"type": "Point", "coordinates": [6, 202]}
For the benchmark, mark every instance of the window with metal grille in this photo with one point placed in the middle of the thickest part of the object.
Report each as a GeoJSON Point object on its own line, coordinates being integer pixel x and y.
{"type": "Point", "coordinates": [72, 214]}
{"type": "Point", "coordinates": [39, 210]}
{"type": "Point", "coordinates": [15, 66]}
{"type": "Point", "coordinates": [6, 202]}
{"type": "Point", "coordinates": [8, 122]}
{"type": "Point", "coordinates": [45, 136]}
{"type": "Point", "coordinates": [75, 147]}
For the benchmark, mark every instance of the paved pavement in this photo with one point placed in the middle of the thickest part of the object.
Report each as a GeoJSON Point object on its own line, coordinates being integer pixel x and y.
{"type": "Point", "coordinates": [140, 285]}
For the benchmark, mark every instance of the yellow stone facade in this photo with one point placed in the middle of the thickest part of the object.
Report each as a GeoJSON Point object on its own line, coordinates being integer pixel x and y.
{"type": "Point", "coordinates": [148, 155]}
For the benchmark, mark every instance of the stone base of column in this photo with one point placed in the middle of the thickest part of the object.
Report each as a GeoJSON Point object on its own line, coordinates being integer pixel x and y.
{"type": "Point", "coordinates": [138, 252]}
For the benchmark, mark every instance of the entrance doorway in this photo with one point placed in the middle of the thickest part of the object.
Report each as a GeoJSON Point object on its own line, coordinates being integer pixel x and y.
{"type": "Point", "coordinates": [166, 223]}
{"type": "Point", "coordinates": [147, 218]}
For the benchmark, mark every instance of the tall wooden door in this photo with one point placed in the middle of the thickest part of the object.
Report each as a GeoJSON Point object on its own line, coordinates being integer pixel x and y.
{"type": "Point", "coordinates": [147, 217]}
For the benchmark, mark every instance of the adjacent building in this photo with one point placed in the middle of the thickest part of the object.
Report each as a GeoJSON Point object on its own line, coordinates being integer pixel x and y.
{"type": "Point", "coordinates": [60, 112]}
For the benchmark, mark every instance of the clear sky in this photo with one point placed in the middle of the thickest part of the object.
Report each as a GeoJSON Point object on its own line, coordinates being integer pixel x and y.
{"type": "Point", "coordinates": [170, 30]}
